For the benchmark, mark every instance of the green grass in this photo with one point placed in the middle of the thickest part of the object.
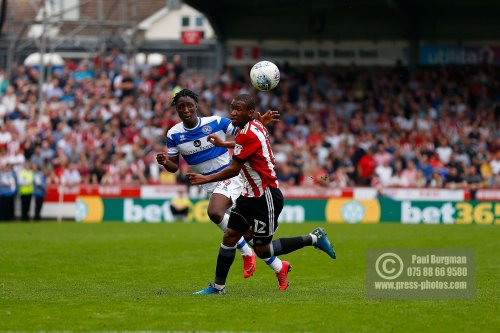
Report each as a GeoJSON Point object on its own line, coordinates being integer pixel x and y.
{"type": "Point", "coordinates": [66, 276]}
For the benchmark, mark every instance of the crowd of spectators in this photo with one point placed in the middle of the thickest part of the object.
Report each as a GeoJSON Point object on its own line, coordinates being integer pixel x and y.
{"type": "Point", "coordinates": [103, 123]}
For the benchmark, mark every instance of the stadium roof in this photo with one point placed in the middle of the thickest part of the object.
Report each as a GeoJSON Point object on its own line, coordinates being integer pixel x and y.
{"type": "Point", "coordinates": [353, 19]}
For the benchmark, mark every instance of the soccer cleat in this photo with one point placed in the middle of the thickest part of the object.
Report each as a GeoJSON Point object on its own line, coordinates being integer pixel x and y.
{"type": "Point", "coordinates": [249, 264]}
{"type": "Point", "coordinates": [323, 243]}
{"type": "Point", "coordinates": [211, 290]}
{"type": "Point", "coordinates": [282, 275]}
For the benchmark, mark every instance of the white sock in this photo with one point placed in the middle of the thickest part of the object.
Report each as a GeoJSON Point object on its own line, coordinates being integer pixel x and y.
{"type": "Point", "coordinates": [223, 224]}
{"type": "Point", "coordinates": [314, 238]}
{"type": "Point", "coordinates": [242, 244]}
{"type": "Point", "coordinates": [275, 263]}
{"type": "Point", "coordinates": [243, 247]}
{"type": "Point", "coordinates": [219, 286]}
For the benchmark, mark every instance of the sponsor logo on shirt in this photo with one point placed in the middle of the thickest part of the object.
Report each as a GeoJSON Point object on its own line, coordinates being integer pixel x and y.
{"type": "Point", "coordinates": [237, 149]}
{"type": "Point", "coordinates": [190, 152]}
{"type": "Point", "coordinates": [206, 129]}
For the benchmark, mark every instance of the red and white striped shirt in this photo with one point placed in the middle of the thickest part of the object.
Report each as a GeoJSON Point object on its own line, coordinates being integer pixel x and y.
{"type": "Point", "coordinates": [254, 149]}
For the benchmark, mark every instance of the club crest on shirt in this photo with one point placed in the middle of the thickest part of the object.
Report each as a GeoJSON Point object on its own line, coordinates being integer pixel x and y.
{"type": "Point", "coordinates": [206, 129]}
{"type": "Point", "coordinates": [237, 149]}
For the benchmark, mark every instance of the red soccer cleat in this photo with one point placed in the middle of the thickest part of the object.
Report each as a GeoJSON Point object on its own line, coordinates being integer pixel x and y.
{"type": "Point", "coordinates": [283, 275]}
{"type": "Point", "coordinates": [249, 263]}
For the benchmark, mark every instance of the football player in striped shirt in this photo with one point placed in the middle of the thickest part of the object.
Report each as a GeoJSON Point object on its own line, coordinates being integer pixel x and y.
{"type": "Point", "coordinates": [189, 139]}
{"type": "Point", "coordinates": [259, 205]}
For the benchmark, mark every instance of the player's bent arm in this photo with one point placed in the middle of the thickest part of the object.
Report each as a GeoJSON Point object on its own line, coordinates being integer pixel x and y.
{"type": "Point", "coordinates": [171, 164]}
{"type": "Point", "coordinates": [228, 144]}
{"type": "Point", "coordinates": [217, 141]}
{"type": "Point", "coordinates": [232, 170]}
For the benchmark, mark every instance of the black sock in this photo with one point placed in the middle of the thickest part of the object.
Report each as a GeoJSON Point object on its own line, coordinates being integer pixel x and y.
{"type": "Point", "coordinates": [287, 245]}
{"type": "Point", "coordinates": [224, 262]}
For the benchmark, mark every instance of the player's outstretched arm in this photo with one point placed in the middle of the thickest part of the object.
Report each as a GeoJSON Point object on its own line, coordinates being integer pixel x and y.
{"type": "Point", "coordinates": [232, 170]}
{"type": "Point", "coordinates": [268, 117]}
{"type": "Point", "coordinates": [171, 164]}
{"type": "Point", "coordinates": [218, 142]}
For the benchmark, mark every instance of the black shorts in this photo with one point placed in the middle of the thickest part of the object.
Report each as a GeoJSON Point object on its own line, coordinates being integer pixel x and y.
{"type": "Point", "coordinates": [259, 214]}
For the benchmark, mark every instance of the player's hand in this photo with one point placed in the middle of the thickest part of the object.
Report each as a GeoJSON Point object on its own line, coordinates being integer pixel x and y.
{"type": "Point", "coordinates": [196, 178]}
{"type": "Point", "coordinates": [161, 158]}
{"type": "Point", "coordinates": [268, 117]}
{"type": "Point", "coordinates": [215, 140]}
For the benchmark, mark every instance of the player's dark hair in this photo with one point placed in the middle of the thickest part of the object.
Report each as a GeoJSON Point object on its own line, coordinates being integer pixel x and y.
{"type": "Point", "coordinates": [247, 99]}
{"type": "Point", "coordinates": [184, 93]}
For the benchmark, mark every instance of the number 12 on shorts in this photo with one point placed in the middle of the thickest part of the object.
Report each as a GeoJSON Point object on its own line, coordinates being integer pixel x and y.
{"type": "Point", "coordinates": [259, 227]}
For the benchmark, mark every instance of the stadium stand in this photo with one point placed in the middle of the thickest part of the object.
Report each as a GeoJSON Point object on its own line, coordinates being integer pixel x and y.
{"type": "Point", "coordinates": [341, 126]}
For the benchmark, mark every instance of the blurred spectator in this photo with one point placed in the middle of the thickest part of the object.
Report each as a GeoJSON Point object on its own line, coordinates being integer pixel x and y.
{"type": "Point", "coordinates": [177, 67]}
{"type": "Point", "coordinates": [71, 176]}
{"type": "Point", "coordinates": [444, 151]}
{"type": "Point", "coordinates": [123, 84]}
{"type": "Point", "coordinates": [39, 191]}
{"type": "Point", "coordinates": [4, 81]}
{"type": "Point", "coordinates": [420, 180]}
{"type": "Point", "coordinates": [5, 136]}
{"type": "Point", "coordinates": [425, 167]}
{"type": "Point", "coordinates": [97, 171]}
{"type": "Point", "coordinates": [454, 179]}
{"type": "Point", "coordinates": [382, 155]}
{"type": "Point", "coordinates": [8, 102]}
{"type": "Point", "coordinates": [340, 179]}
{"type": "Point", "coordinates": [162, 70]}
{"type": "Point", "coordinates": [436, 180]}
{"type": "Point", "coordinates": [366, 167]}
{"type": "Point", "coordinates": [384, 172]}
{"type": "Point", "coordinates": [409, 174]}
{"type": "Point", "coordinates": [495, 163]}
{"type": "Point", "coordinates": [118, 59]}
{"type": "Point", "coordinates": [83, 73]}
{"type": "Point", "coordinates": [473, 180]}
{"type": "Point", "coordinates": [8, 191]}
{"type": "Point", "coordinates": [179, 205]}
{"type": "Point", "coordinates": [46, 152]}
{"type": "Point", "coordinates": [54, 91]}
{"type": "Point", "coordinates": [486, 171]}
{"type": "Point", "coordinates": [397, 180]}
{"type": "Point", "coordinates": [285, 175]}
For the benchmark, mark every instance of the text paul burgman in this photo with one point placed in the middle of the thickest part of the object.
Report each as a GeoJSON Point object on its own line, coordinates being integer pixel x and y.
{"type": "Point", "coordinates": [434, 259]}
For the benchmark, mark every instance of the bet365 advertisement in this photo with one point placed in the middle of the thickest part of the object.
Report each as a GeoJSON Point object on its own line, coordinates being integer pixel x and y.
{"type": "Point", "coordinates": [94, 209]}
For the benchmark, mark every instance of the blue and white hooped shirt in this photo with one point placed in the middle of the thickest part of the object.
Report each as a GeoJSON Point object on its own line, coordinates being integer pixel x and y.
{"type": "Point", "coordinates": [192, 144]}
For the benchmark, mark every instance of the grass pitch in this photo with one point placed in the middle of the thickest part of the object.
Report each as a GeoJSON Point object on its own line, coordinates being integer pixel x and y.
{"type": "Point", "coordinates": [116, 277]}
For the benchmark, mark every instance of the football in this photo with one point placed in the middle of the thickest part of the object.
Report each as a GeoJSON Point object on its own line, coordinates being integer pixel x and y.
{"type": "Point", "coordinates": [265, 75]}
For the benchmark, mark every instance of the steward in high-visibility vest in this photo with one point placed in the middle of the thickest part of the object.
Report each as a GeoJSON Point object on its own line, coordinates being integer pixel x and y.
{"type": "Point", "coordinates": [26, 178]}
{"type": "Point", "coordinates": [26, 181]}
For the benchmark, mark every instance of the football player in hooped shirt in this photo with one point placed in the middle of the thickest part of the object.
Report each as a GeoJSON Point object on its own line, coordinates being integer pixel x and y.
{"type": "Point", "coordinates": [189, 139]}
{"type": "Point", "coordinates": [259, 205]}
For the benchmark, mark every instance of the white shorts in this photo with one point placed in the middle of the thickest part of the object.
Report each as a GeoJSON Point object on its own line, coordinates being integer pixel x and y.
{"type": "Point", "coordinates": [230, 188]}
